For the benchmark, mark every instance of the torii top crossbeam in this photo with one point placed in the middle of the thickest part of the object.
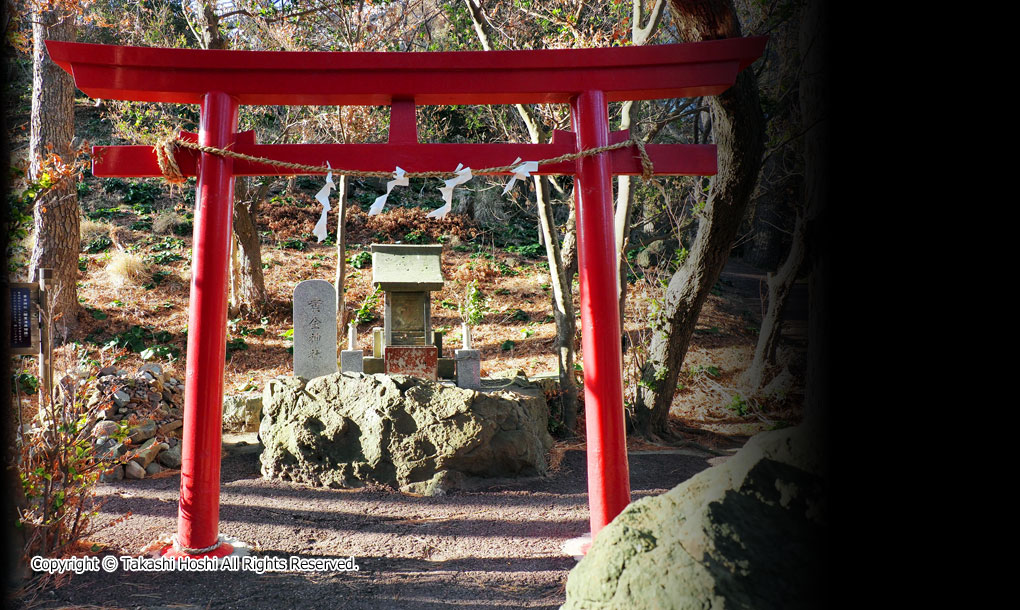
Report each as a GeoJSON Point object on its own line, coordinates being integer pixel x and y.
{"type": "Point", "coordinates": [221, 81]}
{"type": "Point", "coordinates": [184, 76]}
{"type": "Point", "coordinates": [404, 80]}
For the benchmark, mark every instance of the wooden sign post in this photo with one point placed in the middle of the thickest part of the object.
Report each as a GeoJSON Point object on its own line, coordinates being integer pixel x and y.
{"type": "Point", "coordinates": [29, 326]}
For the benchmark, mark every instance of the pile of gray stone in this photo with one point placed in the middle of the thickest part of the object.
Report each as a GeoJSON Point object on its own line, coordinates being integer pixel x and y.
{"type": "Point", "coordinates": [138, 422]}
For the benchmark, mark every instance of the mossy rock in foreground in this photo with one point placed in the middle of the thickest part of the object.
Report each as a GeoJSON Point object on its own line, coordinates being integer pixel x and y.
{"type": "Point", "coordinates": [744, 534]}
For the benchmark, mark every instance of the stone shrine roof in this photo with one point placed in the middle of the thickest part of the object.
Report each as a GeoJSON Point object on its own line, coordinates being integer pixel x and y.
{"type": "Point", "coordinates": [407, 268]}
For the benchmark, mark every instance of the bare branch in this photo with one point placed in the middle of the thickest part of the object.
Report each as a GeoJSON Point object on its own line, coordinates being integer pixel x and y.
{"type": "Point", "coordinates": [641, 33]}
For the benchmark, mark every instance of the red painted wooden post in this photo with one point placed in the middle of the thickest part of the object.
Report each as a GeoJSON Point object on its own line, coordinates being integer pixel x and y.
{"type": "Point", "coordinates": [608, 475]}
{"type": "Point", "coordinates": [199, 512]}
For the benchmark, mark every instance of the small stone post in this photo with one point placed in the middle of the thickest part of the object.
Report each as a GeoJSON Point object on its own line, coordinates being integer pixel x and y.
{"type": "Point", "coordinates": [469, 368]}
{"type": "Point", "coordinates": [352, 360]}
{"type": "Point", "coordinates": [375, 363]}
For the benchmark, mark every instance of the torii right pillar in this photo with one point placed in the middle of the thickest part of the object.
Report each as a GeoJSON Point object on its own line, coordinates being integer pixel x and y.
{"type": "Point", "coordinates": [608, 473]}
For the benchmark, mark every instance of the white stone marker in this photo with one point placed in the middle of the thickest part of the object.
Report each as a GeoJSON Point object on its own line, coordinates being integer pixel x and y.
{"type": "Point", "coordinates": [314, 329]}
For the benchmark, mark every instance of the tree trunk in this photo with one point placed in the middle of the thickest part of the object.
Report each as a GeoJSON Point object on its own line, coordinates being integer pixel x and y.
{"type": "Point", "coordinates": [624, 212]}
{"type": "Point", "coordinates": [738, 126]}
{"type": "Point", "coordinates": [248, 277]}
{"type": "Point", "coordinates": [563, 305]}
{"type": "Point", "coordinates": [56, 218]}
{"type": "Point", "coordinates": [569, 249]}
{"type": "Point", "coordinates": [233, 305]}
{"type": "Point", "coordinates": [211, 36]}
{"type": "Point", "coordinates": [561, 267]}
{"type": "Point", "coordinates": [248, 285]}
{"type": "Point", "coordinates": [341, 253]}
{"type": "Point", "coordinates": [780, 285]}
{"type": "Point", "coordinates": [639, 35]}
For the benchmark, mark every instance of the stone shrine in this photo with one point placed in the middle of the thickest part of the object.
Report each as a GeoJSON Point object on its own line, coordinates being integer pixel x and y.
{"type": "Point", "coordinates": [407, 275]}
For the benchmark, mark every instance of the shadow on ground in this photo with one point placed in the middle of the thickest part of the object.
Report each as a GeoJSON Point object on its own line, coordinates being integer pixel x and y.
{"type": "Point", "coordinates": [495, 545]}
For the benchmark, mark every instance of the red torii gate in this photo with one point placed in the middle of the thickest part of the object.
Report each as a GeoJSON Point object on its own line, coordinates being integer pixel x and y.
{"type": "Point", "coordinates": [220, 81]}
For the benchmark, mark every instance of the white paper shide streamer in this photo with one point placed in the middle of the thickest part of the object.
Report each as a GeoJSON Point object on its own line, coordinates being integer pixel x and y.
{"type": "Point", "coordinates": [521, 172]}
{"type": "Point", "coordinates": [380, 201]}
{"type": "Point", "coordinates": [323, 197]}
{"type": "Point", "coordinates": [463, 175]}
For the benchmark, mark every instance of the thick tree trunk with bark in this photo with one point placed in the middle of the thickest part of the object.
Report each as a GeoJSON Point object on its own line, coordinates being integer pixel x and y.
{"type": "Point", "coordinates": [569, 249]}
{"type": "Point", "coordinates": [247, 282]}
{"type": "Point", "coordinates": [211, 37]}
{"type": "Point", "coordinates": [624, 212]}
{"type": "Point", "coordinates": [779, 196]}
{"type": "Point", "coordinates": [248, 279]}
{"type": "Point", "coordinates": [57, 222]}
{"type": "Point", "coordinates": [738, 126]}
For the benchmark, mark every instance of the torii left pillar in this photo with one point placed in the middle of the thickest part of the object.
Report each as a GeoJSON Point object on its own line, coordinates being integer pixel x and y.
{"type": "Point", "coordinates": [199, 514]}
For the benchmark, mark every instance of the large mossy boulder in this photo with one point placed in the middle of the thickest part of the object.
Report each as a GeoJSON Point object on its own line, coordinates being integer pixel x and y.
{"type": "Point", "coordinates": [744, 534]}
{"type": "Point", "coordinates": [351, 429]}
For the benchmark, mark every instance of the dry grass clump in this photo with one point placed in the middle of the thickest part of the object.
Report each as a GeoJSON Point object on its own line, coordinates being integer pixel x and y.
{"type": "Point", "coordinates": [165, 221]}
{"type": "Point", "coordinates": [91, 229]}
{"type": "Point", "coordinates": [126, 268]}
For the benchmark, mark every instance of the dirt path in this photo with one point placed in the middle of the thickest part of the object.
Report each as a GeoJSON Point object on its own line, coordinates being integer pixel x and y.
{"type": "Point", "coordinates": [496, 545]}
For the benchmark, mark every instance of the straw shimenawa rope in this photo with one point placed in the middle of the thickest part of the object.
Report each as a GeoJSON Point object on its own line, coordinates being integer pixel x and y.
{"type": "Point", "coordinates": [168, 165]}
{"type": "Point", "coordinates": [164, 150]}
